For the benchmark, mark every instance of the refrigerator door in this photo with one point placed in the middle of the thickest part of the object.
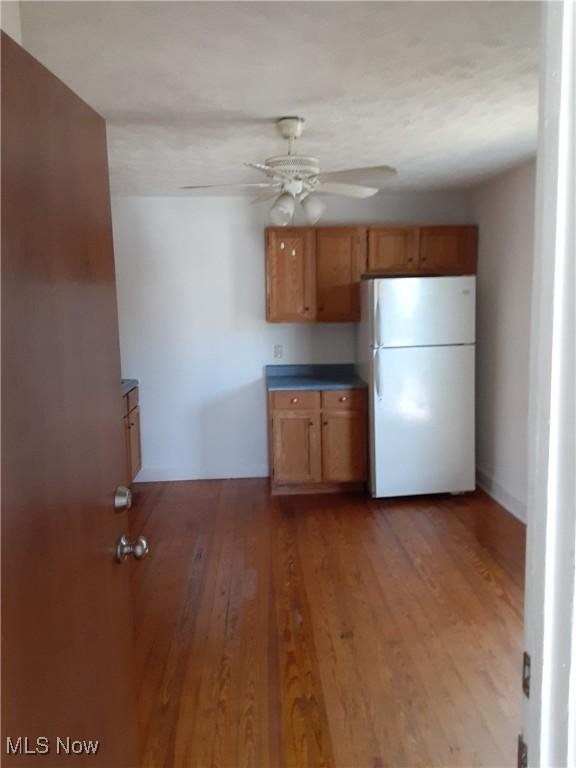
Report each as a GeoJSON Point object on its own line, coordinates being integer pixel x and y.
{"type": "Point", "coordinates": [422, 425]}
{"type": "Point", "coordinates": [424, 311]}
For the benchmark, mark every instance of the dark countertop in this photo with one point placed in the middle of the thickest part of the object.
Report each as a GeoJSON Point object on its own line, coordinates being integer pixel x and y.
{"type": "Point", "coordinates": [313, 377]}
{"type": "Point", "coordinates": [128, 384]}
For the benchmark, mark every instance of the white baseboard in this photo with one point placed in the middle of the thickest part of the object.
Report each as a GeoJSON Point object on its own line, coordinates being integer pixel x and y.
{"type": "Point", "coordinates": [501, 495]}
{"type": "Point", "coordinates": [167, 474]}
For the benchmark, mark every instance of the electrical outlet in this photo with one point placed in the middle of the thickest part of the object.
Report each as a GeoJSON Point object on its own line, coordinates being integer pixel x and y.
{"type": "Point", "coordinates": [278, 351]}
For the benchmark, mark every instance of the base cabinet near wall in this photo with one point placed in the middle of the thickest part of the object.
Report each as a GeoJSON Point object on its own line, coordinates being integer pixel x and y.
{"type": "Point", "coordinates": [313, 273]}
{"type": "Point", "coordinates": [132, 432]}
{"type": "Point", "coordinates": [318, 440]}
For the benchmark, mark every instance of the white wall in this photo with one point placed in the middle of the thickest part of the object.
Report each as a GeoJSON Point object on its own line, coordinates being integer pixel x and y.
{"type": "Point", "coordinates": [10, 19]}
{"type": "Point", "coordinates": [504, 210]}
{"type": "Point", "coordinates": [191, 297]}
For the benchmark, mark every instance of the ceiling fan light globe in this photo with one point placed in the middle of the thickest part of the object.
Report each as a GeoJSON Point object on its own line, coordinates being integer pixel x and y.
{"type": "Point", "coordinates": [282, 211]}
{"type": "Point", "coordinates": [313, 207]}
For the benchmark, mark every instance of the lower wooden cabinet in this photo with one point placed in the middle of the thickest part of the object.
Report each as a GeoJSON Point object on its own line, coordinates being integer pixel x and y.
{"type": "Point", "coordinates": [296, 447]}
{"type": "Point", "coordinates": [317, 440]}
{"type": "Point", "coordinates": [344, 447]}
{"type": "Point", "coordinates": [132, 434]}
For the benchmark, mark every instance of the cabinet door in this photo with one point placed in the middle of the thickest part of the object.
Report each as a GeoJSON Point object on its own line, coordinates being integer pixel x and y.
{"type": "Point", "coordinates": [134, 442]}
{"type": "Point", "coordinates": [392, 249]}
{"type": "Point", "coordinates": [290, 277]}
{"type": "Point", "coordinates": [127, 449]}
{"type": "Point", "coordinates": [296, 454]}
{"type": "Point", "coordinates": [344, 446]}
{"type": "Point", "coordinates": [448, 250]}
{"type": "Point", "coordinates": [340, 260]}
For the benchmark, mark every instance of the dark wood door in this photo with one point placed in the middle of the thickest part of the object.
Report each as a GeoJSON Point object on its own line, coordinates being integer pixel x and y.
{"type": "Point", "coordinates": [340, 260]}
{"type": "Point", "coordinates": [67, 634]}
{"type": "Point", "coordinates": [290, 277]}
{"type": "Point", "coordinates": [392, 249]}
{"type": "Point", "coordinates": [448, 250]}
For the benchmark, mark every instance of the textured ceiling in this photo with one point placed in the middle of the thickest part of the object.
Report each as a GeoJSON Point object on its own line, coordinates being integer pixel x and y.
{"type": "Point", "coordinates": [445, 92]}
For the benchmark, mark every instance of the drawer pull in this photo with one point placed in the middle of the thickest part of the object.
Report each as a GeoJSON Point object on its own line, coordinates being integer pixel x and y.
{"type": "Point", "coordinates": [343, 399]}
{"type": "Point", "coordinates": [294, 400]}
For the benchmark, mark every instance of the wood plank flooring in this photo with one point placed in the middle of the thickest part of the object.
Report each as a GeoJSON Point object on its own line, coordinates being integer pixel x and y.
{"type": "Point", "coordinates": [311, 631]}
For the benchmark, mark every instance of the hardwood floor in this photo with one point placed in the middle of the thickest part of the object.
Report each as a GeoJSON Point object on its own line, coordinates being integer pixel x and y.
{"type": "Point", "coordinates": [310, 631]}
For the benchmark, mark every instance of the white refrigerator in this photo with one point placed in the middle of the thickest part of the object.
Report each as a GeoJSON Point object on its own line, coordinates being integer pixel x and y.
{"type": "Point", "coordinates": [416, 350]}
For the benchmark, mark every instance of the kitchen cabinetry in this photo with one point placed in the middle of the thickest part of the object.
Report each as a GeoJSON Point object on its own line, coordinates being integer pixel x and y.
{"type": "Point", "coordinates": [290, 275]}
{"type": "Point", "coordinates": [393, 249]}
{"type": "Point", "coordinates": [448, 250]}
{"type": "Point", "coordinates": [132, 433]}
{"type": "Point", "coordinates": [313, 274]}
{"type": "Point", "coordinates": [423, 250]}
{"type": "Point", "coordinates": [340, 260]}
{"type": "Point", "coordinates": [318, 440]}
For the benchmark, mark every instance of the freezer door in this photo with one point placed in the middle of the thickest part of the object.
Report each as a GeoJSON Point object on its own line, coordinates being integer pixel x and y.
{"type": "Point", "coordinates": [422, 430]}
{"type": "Point", "coordinates": [424, 311]}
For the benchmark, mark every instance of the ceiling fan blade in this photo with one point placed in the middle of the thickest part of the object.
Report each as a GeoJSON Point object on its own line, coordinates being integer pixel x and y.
{"type": "Point", "coordinates": [372, 176]}
{"type": "Point", "coordinates": [258, 184]}
{"type": "Point", "coordinates": [267, 195]}
{"type": "Point", "coordinates": [348, 190]}
{"type": "Point", "coordinates": [261, 167]}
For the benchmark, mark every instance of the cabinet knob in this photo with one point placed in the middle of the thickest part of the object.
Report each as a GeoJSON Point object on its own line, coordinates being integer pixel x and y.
{"type": "Point", "coordinates": [325, 423]}
{"type": "Point", "coordinates": [294, 400]}
{"type": "Point", "coordinates": [310, 423]}
{"type": "Point", "coordinates": [343, 399]}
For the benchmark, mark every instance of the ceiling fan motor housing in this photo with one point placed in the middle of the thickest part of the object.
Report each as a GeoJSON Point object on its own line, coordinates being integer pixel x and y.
{"type": "Point", "coordinates": [294, 166]}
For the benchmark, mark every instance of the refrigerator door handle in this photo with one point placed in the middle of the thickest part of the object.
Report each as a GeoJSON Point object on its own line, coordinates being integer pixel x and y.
{"type": "Point", "coordinates": [377, 324]}
{"type": "Point", "coordinates": [378, 374]}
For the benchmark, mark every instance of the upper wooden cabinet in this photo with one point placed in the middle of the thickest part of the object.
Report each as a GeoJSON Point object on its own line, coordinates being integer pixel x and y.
{"type": "Point", "coordinates": [340, 260]}
{"type": "Point", "coordinates": [393, 249]}
{"type": "Point", "coordinates": [290, 274]}
{"type": "Point", "coordinates": [448, 250]}
{"type": "Point", "coordinates": [313, 274]}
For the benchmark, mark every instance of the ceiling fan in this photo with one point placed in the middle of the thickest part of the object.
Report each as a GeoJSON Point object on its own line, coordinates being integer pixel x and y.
{"type": "Point", "coordinates": [296, 178]}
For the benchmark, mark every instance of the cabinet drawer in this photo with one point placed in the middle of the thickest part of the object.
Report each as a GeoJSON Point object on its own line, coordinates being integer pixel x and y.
{"type": "Point", "coordinates": [296, 401]}
{"type": "Point", "coordinates": [344, 400]}
{"type": "Point", "coordinates": [131, 400]}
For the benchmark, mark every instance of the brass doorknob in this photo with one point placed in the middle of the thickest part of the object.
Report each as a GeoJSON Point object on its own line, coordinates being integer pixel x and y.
{"type": "Point", "coordinates": [122, 498]}
{"type": "Point", "coordinates": [124, 547]}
